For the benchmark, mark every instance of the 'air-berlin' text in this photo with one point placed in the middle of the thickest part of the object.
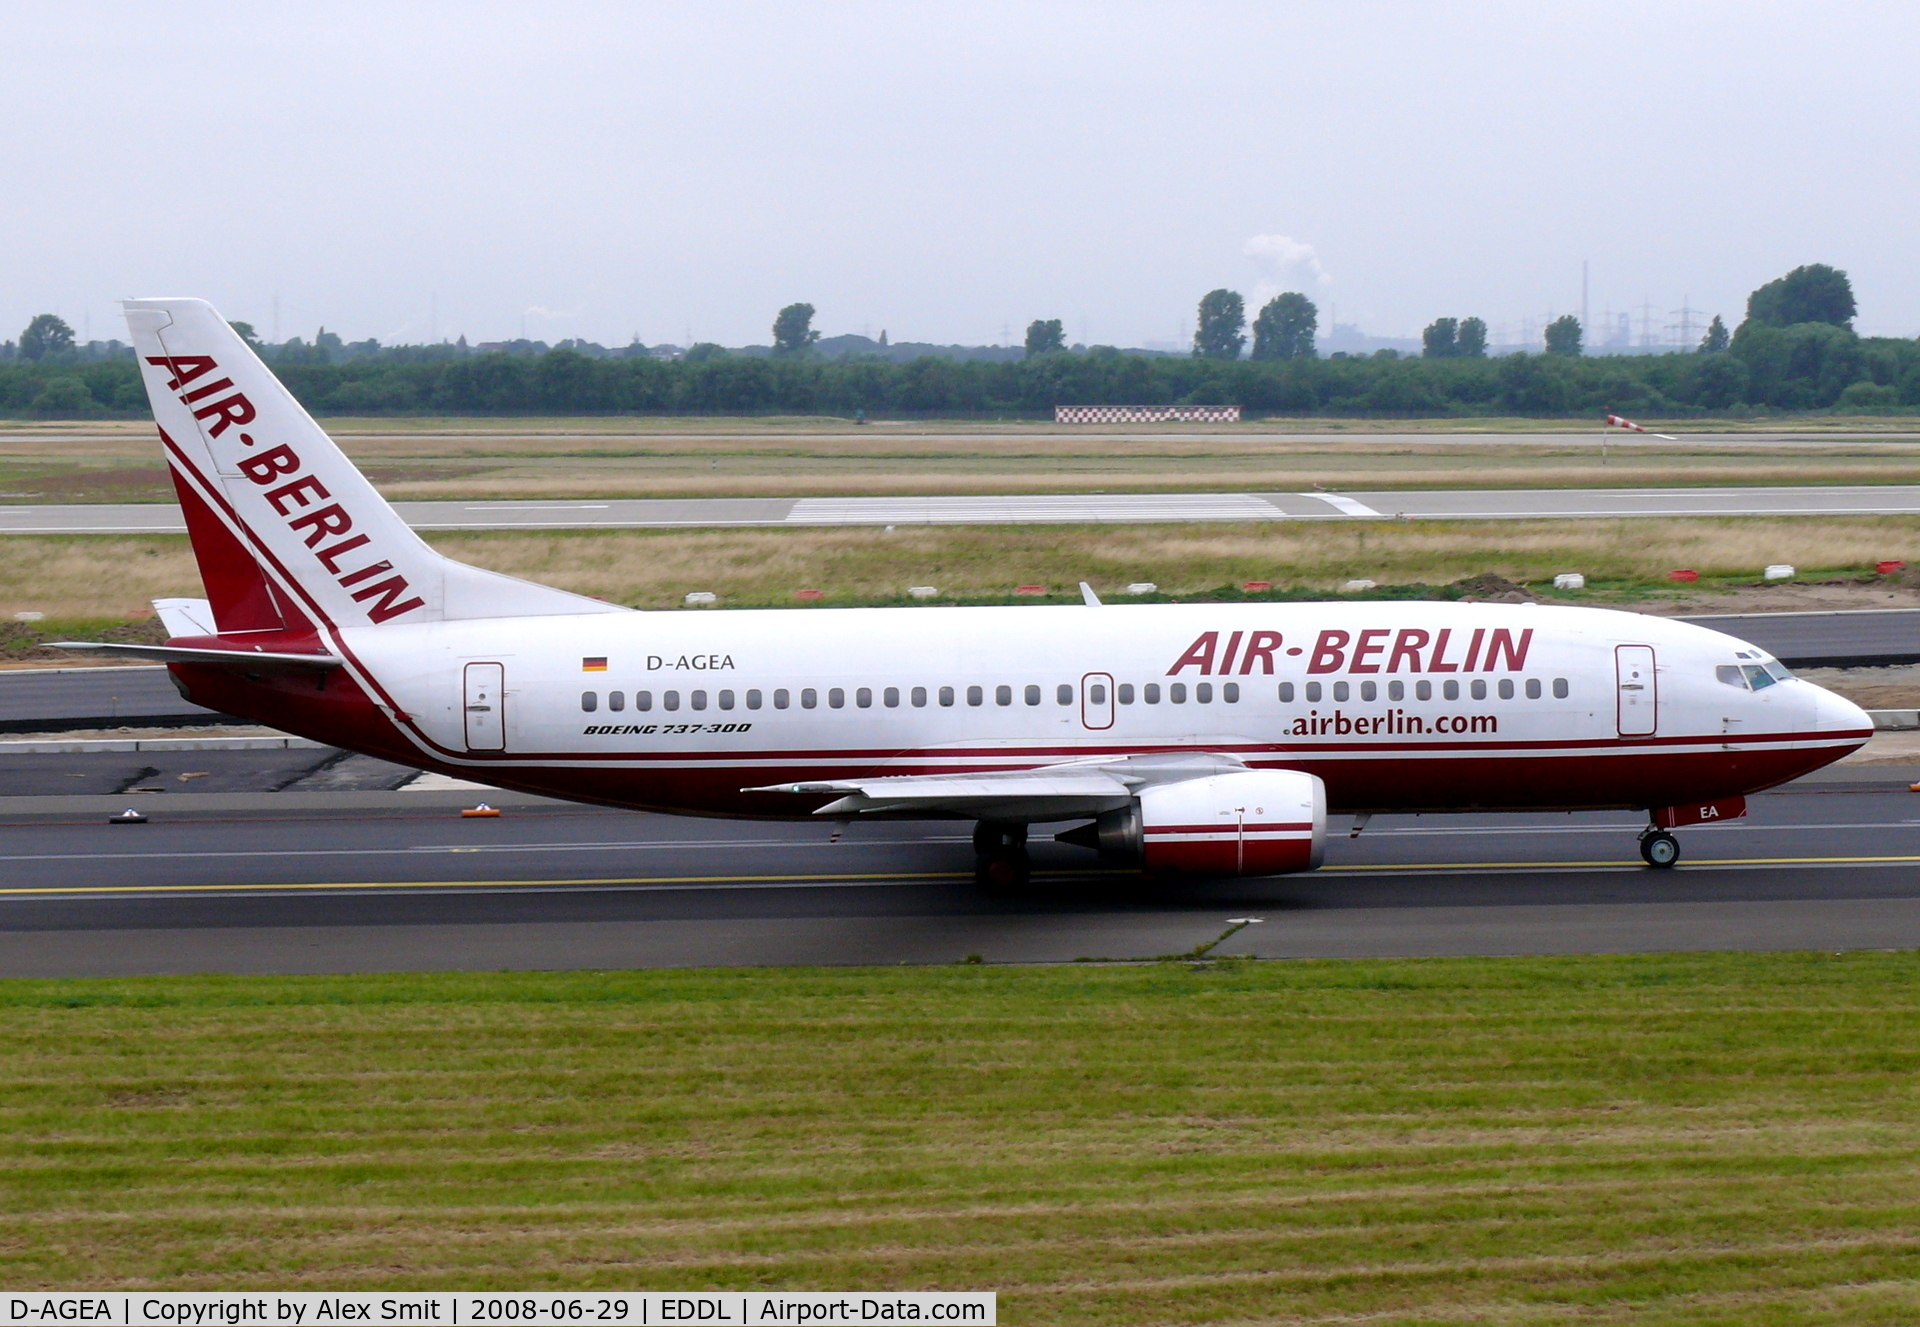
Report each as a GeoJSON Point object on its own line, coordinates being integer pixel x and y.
{"type": "Point", "coordinates": [220, 406]}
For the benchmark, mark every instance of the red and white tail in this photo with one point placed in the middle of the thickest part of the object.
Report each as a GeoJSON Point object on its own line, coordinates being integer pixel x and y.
{"type": "Point", "coordinates": [286, 530]}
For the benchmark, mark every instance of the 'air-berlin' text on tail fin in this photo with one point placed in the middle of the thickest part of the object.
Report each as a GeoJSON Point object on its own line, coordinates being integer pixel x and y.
{"type": "Point", "coordinates": [282, 523]}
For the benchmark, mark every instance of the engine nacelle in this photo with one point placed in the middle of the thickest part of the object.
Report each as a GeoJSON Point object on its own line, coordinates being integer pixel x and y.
{"type": "Point", "coordinates": [1256, 822]}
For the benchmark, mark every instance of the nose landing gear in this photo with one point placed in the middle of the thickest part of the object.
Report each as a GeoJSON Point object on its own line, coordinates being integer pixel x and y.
{"type": "Point", "coordinates": [1000, 856]}
{"type": "Point", "coordinates": [1658, 848]}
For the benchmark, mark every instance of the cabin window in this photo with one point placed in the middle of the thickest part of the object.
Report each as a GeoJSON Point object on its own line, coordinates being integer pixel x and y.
{"type": "Point", "coordinates": [1533, 688]}
{"type": "Point", "coordinates": [946, 695]}
{"type": "Point", "coordinates": [864, 698]}
{"type": "Point", "coordinates": [809, 698]}
{"type": "Point", "coordinates": [1064, 694]}
{"type": "Point", "coordinates": [1369, 691]}
{"type": "Point", "coordinates": [1152, 690]}
{"type": "Point", "coordinates": [1396, 691]}
{"type": "Point", "coordinates": [1096, 693]}
{"type": "Point", "coordinates": [1450, 689]}
{"type": "Point", "coordinates": [1479, 688]}
{"type": "Point", "coordinates": [589, 701]}
{"type": "Point", "coordinates": [1313, 692]}
{"type": "Point", "coordinates": [975, 696]}
{"type": "Point", "coordinates": [1422, 690]}
{"type": "Point", "coordinates": [643, 700]}
{"type": "Point", "coordinates": [1203, 692]}
{"type": "Point", "coordinates": [1506, 688]}
{"type": "Point", "coordinates": [753, 700]}
{"type": "Point", "coordinates": [780, 698]}
{"type": "Point", "coordinates": [1032, 694]}
{"type": "Point", "coordinates": [1125, 692]}
{"type": "Point", "coordinates": [1559, 688]}
{"type": "Point", "coordinates": [1286, 693]}
{"type": "Point", "coordinates": [1230, 692]}
{"type": "Point", "coordinates": [670, 700]}
{"type": "Point", "coordinates": [837, 697]}
{"type": "Point", "coordinates": [1177, 692]}
{"type": "Point", "coordinates": [616, 701]}
{"type": "Point", "coordinates": [699, 700]}
{"type": "Point", "coordinates": [726, 700]}
{"type": "Point", "coordinates": [1003, 695]}
{"type": "Point", "coordinates": [1341, 691]}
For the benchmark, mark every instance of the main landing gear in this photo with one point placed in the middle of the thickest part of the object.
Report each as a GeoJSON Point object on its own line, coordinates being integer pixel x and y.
{"type": "Point", "coordinates": [1000, 856]}
{"type": "Point", "coordinates": [1658, 848]}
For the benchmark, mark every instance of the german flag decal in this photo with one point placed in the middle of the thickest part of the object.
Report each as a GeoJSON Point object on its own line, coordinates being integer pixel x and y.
{"type": "Point", "coordinates": [596, 663]}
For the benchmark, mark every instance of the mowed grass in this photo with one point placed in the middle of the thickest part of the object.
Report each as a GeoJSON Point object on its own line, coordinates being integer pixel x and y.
{"type": "Point", "coordinates": [1677, 1138]}
{"type": "Point", "coordinates": [82, 576]}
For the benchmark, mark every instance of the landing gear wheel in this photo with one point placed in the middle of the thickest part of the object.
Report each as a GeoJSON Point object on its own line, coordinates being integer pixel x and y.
{"type": "Point", "coordinates": [1659, 849]}
{"type": "Point", "coordinates": [1002, 872]}
{"type": "Point", "coordinates": [1000, 850]}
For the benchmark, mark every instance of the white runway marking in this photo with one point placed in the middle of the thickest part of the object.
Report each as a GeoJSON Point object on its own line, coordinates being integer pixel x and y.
{"type": "Point", "coordinates": [1342, 503]}
{"type": "Point", "coordinates": [1033, 509]}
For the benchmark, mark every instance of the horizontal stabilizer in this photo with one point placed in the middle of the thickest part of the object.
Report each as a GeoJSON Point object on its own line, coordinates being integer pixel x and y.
{"type": "Point", "coordinates": [254, 661]}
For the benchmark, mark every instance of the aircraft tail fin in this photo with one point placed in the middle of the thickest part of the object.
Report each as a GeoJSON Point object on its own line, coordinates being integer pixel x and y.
{"type": "Point", "coordinates": [286, 529]}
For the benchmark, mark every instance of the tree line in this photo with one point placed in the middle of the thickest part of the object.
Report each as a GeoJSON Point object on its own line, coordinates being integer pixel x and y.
{"type": "Point", "coordinates": [1796, 350]}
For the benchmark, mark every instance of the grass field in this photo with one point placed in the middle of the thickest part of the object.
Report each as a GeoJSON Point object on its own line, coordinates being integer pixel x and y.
{"type": "Point", "coordinates": [1681, 1138]}
{"type": "Point", "coordinates": [88, 576]}
{"type": "Point", "coordinates": [577, 458]}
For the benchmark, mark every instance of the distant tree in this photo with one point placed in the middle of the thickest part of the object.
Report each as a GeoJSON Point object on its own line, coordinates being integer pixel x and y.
{"type": "Point", "coordinates": [1814, 293]}
{"type": "Point", "coordinates": [701, 351]}
{"type": "Point", "coordinates": [883, 338]}
{"type": "Point", "coordinates": [1441, 340]}
{"type": "Point", "coordinates": [1222, 333]}
{"type": "Point", "coordinates": [1285, 328]}
{"type": "Point", "coordinates": [1045, 336]}
{"type": "Point", "coordinates": [1472, 340]}
{"type": "Point", "coordinates": [1563, 335]}
{"type": "Point", "coordinates": [793, 330]}
{"type": "Point", "coordinates": [246, 333]}
{"type": "Point", "coordinates": [1716, 338]}
{"type": "Point", "coordinates": [45, 335]}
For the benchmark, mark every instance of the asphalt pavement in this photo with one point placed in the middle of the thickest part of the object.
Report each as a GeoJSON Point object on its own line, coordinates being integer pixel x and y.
{"type": "Point", "coordinates": [379, 882]}
{"type": "Point", "coordinates": [1063, 508]}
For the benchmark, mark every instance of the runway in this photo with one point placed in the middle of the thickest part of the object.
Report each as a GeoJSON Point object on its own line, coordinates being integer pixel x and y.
{"type": "Point", "coordinates": [268, 885]}
{"type": "Point", "coordinates": [1042, 509]}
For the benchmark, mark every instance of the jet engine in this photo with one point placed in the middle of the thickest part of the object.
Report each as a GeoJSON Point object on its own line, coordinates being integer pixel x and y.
{"type": "Point", "coordinates": [1255, 822]}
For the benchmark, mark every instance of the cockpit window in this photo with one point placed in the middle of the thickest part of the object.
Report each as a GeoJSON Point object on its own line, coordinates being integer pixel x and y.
{"type": "Point", "coordinates": [1731, 675]}
{"type": "Point", "coordinates": [1779, 671]}
{"type": "Point", "coordinates": [1757, 676]}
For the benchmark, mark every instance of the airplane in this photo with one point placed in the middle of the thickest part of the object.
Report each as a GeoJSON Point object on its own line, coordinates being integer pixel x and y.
{"type": "Point", "coordinates": [1190, 739]}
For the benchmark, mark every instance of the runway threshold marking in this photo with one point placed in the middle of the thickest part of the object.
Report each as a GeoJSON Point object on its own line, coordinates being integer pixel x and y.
{"type": "Point", "coordinates": [893, 877]}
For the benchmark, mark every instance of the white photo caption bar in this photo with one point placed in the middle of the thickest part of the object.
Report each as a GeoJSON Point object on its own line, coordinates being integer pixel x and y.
{"type": "Point", "coordinates": [520, 1308]}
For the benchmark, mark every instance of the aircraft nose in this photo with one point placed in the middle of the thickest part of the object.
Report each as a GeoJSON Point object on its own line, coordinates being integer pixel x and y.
{"type": "Point", "coordinates": [1837, 714]}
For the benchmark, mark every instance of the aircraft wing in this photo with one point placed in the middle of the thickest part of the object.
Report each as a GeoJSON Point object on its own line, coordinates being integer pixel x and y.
{"type": "Point", "coordinates": [1063, 791]}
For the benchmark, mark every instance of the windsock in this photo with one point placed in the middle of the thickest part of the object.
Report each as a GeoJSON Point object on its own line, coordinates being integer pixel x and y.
{"type": "Point", "coordinates": [1617, 422]}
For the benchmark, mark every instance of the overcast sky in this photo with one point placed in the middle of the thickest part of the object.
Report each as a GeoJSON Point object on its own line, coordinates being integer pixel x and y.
{"type": "Point", "coordinates": [947, 171]}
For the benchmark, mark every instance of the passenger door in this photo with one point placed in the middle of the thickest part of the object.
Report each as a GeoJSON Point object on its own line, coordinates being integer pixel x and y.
{"type": "Point", "coordinates": [485, 710]}
{"type": "Point", "coordinates": [1096, 701]}
{"type": "Point", "coordinates": [1638, 690]}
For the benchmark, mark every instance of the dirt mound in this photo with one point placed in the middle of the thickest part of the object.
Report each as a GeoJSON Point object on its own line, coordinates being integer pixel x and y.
{"type": "Point", "coordinates": [1490, 589]}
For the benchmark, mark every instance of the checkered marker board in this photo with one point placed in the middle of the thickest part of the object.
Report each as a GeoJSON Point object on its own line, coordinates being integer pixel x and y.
{"type": "Point", "coordinates": [1146, 414]}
